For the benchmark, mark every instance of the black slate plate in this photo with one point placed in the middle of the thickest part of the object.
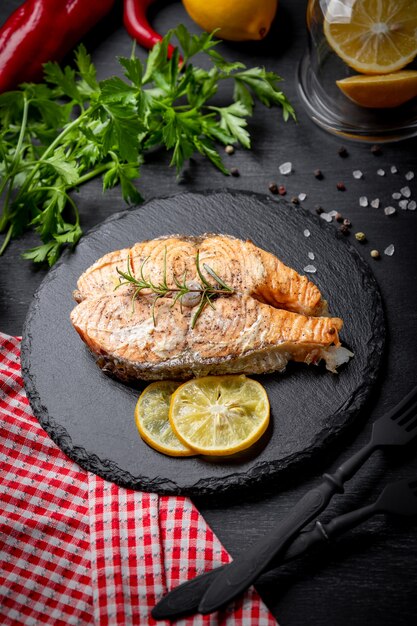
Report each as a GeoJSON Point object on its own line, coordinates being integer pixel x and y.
{"type": "Point", "coordinates": [90, 416]}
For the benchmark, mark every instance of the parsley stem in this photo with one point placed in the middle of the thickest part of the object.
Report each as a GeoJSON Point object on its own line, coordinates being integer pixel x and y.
{"type": "Point", "coordinates": [6, 239]}
{"type": "Point", "coordinates": [5, 214]}
{"type": "Point", "coordinates": [22, 128]}
{"type": "Point", "coordinates": [68, 197]}
{"type": "Point", "coordinates": [11, 175]}
{"type": "Point", "coordinates": [92, 174]}
{"type": "Point", "coordinates": [52, 147]}
{"type": "Point", "coordinates": [75, 209]}
{"type": "Point", "coordinates": [65, 131]}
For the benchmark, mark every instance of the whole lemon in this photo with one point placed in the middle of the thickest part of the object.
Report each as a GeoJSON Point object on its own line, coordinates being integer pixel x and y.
{"type": "Point", "coordinates": [238, 20]}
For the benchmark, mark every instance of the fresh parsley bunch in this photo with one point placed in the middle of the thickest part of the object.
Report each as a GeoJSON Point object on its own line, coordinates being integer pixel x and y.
{"type": "Point", "coordinates": [57, 135]}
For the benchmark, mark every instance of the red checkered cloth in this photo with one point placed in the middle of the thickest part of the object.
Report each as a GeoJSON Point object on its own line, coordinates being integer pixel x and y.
{"type": "Point", "coordinates": [76, 549]}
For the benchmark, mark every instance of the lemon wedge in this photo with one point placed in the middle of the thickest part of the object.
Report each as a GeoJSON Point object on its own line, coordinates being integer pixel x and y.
{"type": "Point", "coordinates": [152, 421]}
{"type": "Point", "coordinates": [373, 36]}
{"type": "Point", "coordinates": [219, 415]}
{"type": "Point", "coordinates": [378, 92]}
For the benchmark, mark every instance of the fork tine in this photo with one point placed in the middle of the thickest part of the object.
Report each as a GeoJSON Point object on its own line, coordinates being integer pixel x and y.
{"type": "Point", "coordinates": [411, 426]}
{"type": "Point", "coordinates": [404, 406]}
{"type": "Point", "coordinates": [408, 415]}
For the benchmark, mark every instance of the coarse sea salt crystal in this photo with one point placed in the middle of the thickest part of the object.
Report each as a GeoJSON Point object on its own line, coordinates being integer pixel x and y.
{"type": "Point", "coordinates": [403, 204]}
{"type": "Point", "coordinates": [326, 217]}
{"type": "Point", "coordinates": [302, 196]}
{"type": "Point", "coordinates": [311, 256]}
{"type": "Point", "coordinates": [375, 203]}
{"type": "Point", "coordinates": [380, 172]}
{"type": "Point", "coordinates": [390, 210]}
{"type": "Point", "coordinates": [333, 213]}
{"type": "Point", "coordinates": [389, 250]}
{"type": "Point", "coordinates": [285, 168]}
{"type": "Point", "coordinates": [412, 205]}
{"type": "Point", "coordinates": [307, 233]}
{"type": "Point", "coordinates": [363, 201]}
{"type": "Point", "coordinates": [394, 170]}
{"type": "Point", "coordinates": [406, 191]}
{"type": "Point", "coordinates": [396, 195]}
{"type": "Point", "coordinates": [310, 269]}
{"type": "Point", "coordinates": [357, 174]}
{"type": "Point", "coordinates": [409, 176]}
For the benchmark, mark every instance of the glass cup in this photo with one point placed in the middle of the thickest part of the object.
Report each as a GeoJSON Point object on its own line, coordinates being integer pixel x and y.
{"type": "Point", "coordinates": [373, 43]}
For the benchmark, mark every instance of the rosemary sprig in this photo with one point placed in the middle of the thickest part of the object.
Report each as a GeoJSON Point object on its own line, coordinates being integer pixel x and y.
{"type": "Point", "coordinates": [208, 291]}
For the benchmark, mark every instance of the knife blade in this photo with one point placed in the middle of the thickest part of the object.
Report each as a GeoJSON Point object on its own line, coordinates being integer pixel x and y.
{"type": "Point", "coordinates": [184, 599]}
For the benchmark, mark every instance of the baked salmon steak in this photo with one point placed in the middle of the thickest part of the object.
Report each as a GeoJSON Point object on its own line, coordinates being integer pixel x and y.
{"type": "Point", "coordinates": [242, 265]}
{"type": "Point", "coordinates": [239, 335]}
{"type": "Point", "coordinates": [249, 327]}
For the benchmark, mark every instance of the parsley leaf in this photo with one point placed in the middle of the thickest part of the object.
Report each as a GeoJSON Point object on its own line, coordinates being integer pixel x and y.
{"type": "Point", "coordinates": [123, 174]}
{"type": "Point", "coordinates": [133, 70]}
{"type": "Point", "coordinates": [64, 168]}
{"type": "Point", "coordinates": [233, 120]}
{"type": "Point", "coordinates": [47, 252]}
{"type": "Point", "coordinates": [264, 85]}
{"type": "Point", "coordinates": [86, 70]}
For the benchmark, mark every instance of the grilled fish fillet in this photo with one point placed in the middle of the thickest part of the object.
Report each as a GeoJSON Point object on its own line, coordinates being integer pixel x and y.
{"type": "Point", "coordinates": [243, 266]}
{"type": "Point", "coordinates": [239, 335]}
{"type": "Point", "coordinates": [275, 315]}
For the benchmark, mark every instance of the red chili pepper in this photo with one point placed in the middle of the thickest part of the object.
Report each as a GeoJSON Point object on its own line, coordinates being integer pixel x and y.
{"type": "Point", "coordinates": [137, 25]}
{"type": "Point", "coordinates": [43, 30]}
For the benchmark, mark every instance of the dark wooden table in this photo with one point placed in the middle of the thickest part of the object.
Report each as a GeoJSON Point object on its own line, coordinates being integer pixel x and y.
{"type": "Point", "coordinates": [368, 576]}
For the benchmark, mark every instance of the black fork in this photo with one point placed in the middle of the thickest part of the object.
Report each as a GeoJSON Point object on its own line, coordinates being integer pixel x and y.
{"type": "Point", "coordinates": [396, 428]}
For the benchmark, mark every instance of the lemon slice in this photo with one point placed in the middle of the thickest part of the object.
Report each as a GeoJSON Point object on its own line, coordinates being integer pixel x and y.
{"type": "Point", "coordinates": [152, 421]}
{"type": "Point", "coordinates": [219, 415]}
{"type": "Point", "coordinates": [377, 92]}
{"type": "Point", "coordinates": [373, 36]}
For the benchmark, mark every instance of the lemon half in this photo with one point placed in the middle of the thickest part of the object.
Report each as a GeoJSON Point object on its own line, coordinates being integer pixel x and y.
{"type": "Point", "coordinates": [152, 421]}
{"type": "Point", "coordinates": [219, 415]}
{"type": "Point", "coordinates": [373, 36]}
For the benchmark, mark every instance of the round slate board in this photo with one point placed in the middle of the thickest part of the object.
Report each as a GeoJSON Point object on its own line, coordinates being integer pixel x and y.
{"type": "Point", "coordinates": [90, 416]}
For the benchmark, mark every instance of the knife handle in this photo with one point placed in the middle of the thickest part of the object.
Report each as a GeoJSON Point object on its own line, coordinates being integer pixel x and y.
{"type": "Point", "coordinates": [245, 569]}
